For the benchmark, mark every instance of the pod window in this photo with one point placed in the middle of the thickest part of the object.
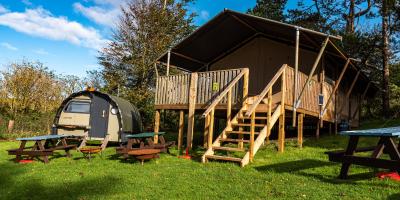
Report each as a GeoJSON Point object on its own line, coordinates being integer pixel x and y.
{"type": "Point", "coordinates": [78, 107]}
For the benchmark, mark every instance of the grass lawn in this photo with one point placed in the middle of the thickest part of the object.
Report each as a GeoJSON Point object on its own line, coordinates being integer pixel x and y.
{"type": "Point", "coordinates": [296, 174]}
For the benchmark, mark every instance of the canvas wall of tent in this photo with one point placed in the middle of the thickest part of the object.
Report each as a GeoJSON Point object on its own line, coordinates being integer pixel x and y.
{"type": "Point", "coordinates": [97, 114]}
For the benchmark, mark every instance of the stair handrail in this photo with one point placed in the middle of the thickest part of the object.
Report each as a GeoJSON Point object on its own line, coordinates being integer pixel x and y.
{"type": "Point", "coordinates": [265, 91]}
{"type": "Point", "coordinates": [225, 92]}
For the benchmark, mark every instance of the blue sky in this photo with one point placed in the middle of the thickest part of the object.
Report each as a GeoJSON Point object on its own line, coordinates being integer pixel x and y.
{"type": "Point", "coordinates": [66, 34]}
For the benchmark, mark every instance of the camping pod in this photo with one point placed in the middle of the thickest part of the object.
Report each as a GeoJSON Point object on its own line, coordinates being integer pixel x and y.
{"type": "Point", "coordinates": [97, 115]}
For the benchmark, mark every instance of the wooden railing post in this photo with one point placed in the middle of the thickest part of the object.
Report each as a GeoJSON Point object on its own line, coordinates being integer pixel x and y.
{"type": "Point", "coordinates": [229, 110]}
{"type": "Point", "coordinates": [269, 115]}
{"type": "Point", "coordinates": [252, 129]}
{"type": "Point", "coordinates": [206, 131]}
{"type": "Point", "coordinates": [245, 86]}
{"type": "Point", "coordinates": [281, 135]}
{"type": "Point", "coordinates": [211, 129]}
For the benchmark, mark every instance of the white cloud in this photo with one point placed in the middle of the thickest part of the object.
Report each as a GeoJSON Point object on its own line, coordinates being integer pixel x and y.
{"type": "Point", "coordinates": [99, 14]}
{"type": "Point", "coordinates": [8, 46]}
{"type": "Point", "coordinates": [41, 52]}
{"type": "Point", "coordinates": [27, 2]}
{"type": "Point", "coordinates": [3, 9]}
{"type": "Point", "coordinates": [204, 14]}
{"type": "Point", "coordinates": [40, 22]}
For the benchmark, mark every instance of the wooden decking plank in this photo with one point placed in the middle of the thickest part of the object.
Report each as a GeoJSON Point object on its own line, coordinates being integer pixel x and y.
{"type": "Point", "coordinates": [226, 158]}
{"type": "Point", "coordinates": [228, 149]}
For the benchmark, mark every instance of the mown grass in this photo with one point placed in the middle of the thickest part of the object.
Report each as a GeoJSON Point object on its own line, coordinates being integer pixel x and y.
{"type": "Point", "coordinates": [296, 174]}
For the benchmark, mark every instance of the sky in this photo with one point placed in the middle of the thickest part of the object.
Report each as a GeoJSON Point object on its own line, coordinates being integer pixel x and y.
{"type": "Point", "coordinates": [66, 35]}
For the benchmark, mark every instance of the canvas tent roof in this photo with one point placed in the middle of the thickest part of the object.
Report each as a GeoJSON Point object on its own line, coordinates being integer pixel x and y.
{"type": "Point", "coordinates": [209, 43]}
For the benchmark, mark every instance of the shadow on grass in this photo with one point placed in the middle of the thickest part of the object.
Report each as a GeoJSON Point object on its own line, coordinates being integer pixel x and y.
{"type": "Point", "coordinates": [394, 197]}
{"type": "Point", "coordinates": [13, 187]}
{"type": "Point", "coordinates": [299, 167]}
{"type": "Point", "coordinates": [294, 166]}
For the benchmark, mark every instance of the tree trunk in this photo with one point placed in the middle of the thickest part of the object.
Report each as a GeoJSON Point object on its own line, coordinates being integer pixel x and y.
{"type": "Point", "coordinates": [350, 18]}
{"type": "Point", "coordinates": [385, 57]}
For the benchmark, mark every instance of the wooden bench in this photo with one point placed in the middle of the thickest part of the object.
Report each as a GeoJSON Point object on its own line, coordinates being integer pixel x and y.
{"type": "Point", "coordinates": [145, 141]}
{"type": "Point", "coordinates": [144, 154]}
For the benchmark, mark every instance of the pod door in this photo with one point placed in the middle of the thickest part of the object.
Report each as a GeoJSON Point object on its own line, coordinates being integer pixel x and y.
{"type": "Point", "coordinates": [99, 110]}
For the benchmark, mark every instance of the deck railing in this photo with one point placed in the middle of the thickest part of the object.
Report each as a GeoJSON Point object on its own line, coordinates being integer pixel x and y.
{"type": "Point", "coordinates": [174, 89]}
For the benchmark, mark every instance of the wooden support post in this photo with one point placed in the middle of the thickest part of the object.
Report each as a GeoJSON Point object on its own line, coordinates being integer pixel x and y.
{"type": "Point", "coordinates": [168, 61]}
{"type": "Point", "coordinates": [181, 127]}
{"type": "Point", "coordinates": [211, 129]}
{"type": "Point", "coordinates": [300, 130]}
{"type": "Point", "coordinates": [281, 135]}
{"type": "Point", "coordinates": [192, 107]}
{"type": "Point", "coordinates": [206, 131]}
{"type": "Point", "coordinates": [245, 86]}
{"type": "Point", "coordinates": [296, 70]}
{"type": "Point", "coordinates": [156, 125]}
{"type": "Point", "coordinates": [240, 144]}
{"type": "Point", "coordinates": [229, 110]}
{"type": "Point", "coordinates": [317, 131]}
{"type": "Point", "coordinates": [269, 115]}
{"type": "Point", "coordinates": [252, 129]}
{"type": "Point", "coordinates": [321, 51]}
{"type": "Point", "coordinates": [244, 104]}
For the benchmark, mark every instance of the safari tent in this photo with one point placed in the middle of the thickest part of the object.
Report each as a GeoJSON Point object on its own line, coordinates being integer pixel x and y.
{"type": "Point", "coordinates": [97, 115]}
{"type": "Point", "coordinates": [263, 77]}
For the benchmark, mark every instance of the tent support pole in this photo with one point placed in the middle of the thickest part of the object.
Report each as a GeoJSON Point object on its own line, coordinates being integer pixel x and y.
{"type": "Point", "coordinates": [168, 61]}
{"type": "Point", "coordinates": [296, 105]}
{"type": "Point", "coordinates": [296, 69]}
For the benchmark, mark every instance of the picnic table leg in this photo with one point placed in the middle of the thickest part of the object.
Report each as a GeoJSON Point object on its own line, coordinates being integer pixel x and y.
{"type": "Point", "coordinates": [64, 143]}
{"type": "Point", "coordinates": [128, 147]}
{"type": "Point", "coordinates": [351, 147]}
{"type": "Point", "coordinates": [150, 142]}
{"type": "Point", "coordinates": [41, 143]}
{"type": "Point", "coordinates": [390, 147]}
{"type": "Point", "coordinates": [21, 148]}
{"type": "Point", "coordinates": [379, 148]}
{"type": "Point", "coordinates": [161, 138]}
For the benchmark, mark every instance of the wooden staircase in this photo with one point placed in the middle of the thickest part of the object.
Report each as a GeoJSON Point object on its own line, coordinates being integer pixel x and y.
{"type": "Point", "coordinates": [248, 130]}
{"type": "Point", "coordinates": [236, 137]}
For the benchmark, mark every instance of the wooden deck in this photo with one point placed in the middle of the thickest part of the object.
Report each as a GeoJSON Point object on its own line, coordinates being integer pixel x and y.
{"type": "Point", "coordinates": [172, 92]}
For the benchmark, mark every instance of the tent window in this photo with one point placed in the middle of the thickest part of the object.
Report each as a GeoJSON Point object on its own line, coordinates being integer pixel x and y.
{"type": "Point", "coordinates": [78, 107]}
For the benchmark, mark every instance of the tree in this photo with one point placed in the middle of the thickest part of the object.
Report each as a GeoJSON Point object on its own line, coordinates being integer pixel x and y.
{"type": "Point", "coordinates": [145, 30]}
{"type": "Point", "coordinates": [271, 9]}
{"type": "Point", "coordinates": [30, 86]}
{"type": "Point", "coordinates": [71, 84]}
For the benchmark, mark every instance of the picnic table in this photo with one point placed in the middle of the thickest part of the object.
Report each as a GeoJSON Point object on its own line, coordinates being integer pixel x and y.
{"type": "Point", "coordinates": [44, 146]}
{"type": "Point", "coordinates": [386, 144]}
{"type": "Point", "coordinates": [144, 141]}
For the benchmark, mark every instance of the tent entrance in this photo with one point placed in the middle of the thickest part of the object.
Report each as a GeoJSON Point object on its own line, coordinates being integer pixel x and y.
{"type": "Point", "coordinates": [99, 117]}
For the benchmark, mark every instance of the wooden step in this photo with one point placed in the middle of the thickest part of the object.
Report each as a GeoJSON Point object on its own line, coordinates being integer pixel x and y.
{"type": "Point", "coordinates": [242, 132]}
{"type": "Point", "coordinates": [233, 140]}
{"type": "Point", "coordinates": [226, 158]}
{"type": "Point", "coordinates": [256, 118]}
{"type": "Point", "coordinates": [228, 149]}
{"type": "Point", "coordinates": [241, 124]}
